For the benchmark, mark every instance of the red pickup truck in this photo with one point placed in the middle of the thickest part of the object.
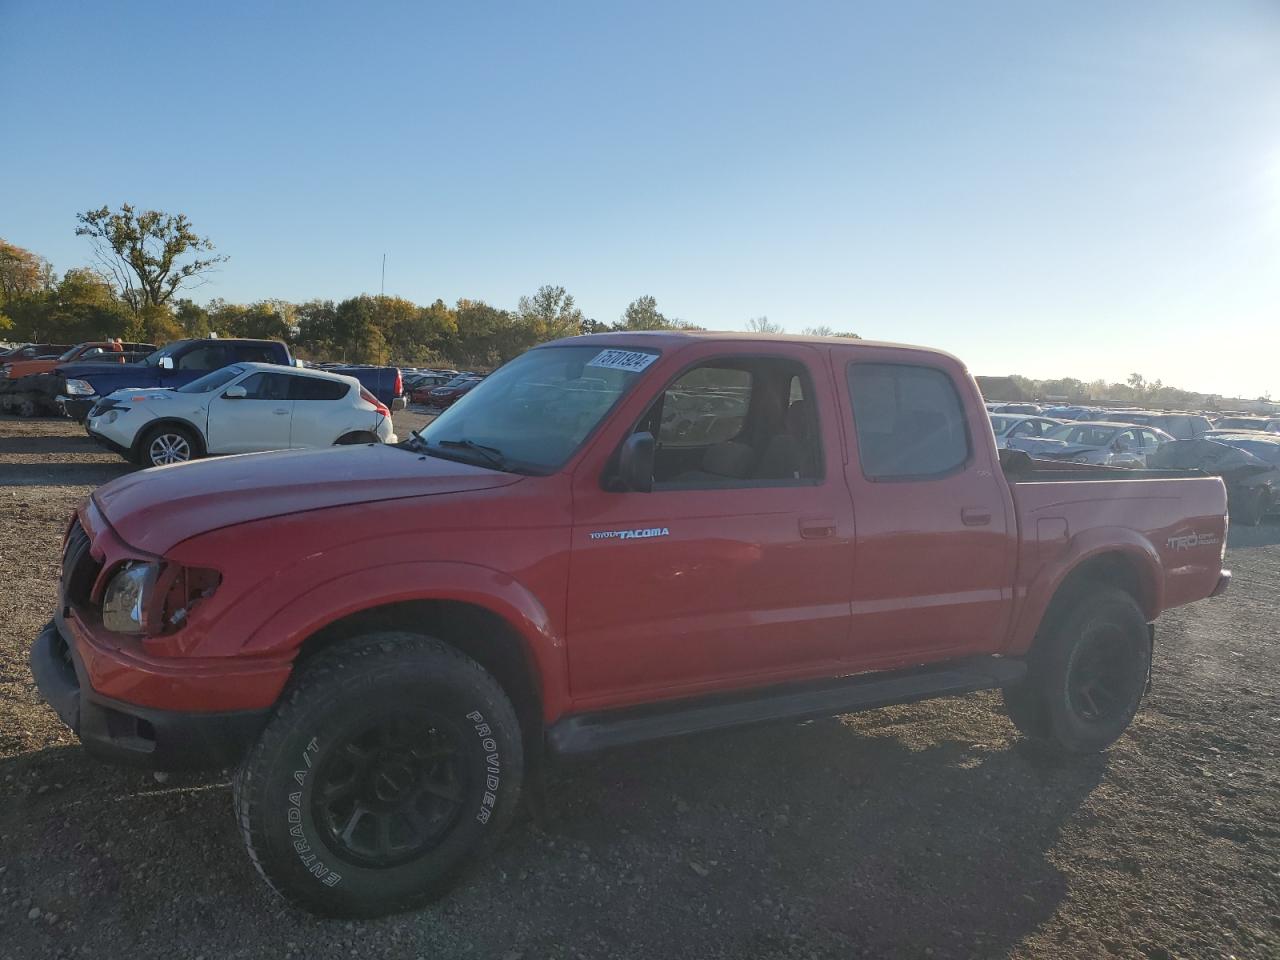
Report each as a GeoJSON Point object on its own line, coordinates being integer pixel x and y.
{"type": "Point", "coordinates": [613, 538]}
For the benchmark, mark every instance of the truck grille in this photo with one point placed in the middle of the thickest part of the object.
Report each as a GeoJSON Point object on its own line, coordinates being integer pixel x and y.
{"type": "Point", "coordinates": [79, 569]}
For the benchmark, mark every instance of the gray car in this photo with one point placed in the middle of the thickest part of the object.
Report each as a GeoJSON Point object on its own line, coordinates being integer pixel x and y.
{"type": "Point", "coordinates": [1103, 443]}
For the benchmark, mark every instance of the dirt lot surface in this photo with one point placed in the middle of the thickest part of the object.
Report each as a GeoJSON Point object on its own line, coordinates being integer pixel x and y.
{"type": "Point", "coordinates": [920, 831]}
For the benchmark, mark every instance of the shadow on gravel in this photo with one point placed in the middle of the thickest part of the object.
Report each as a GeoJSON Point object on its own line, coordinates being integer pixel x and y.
{"type": "Point", "coordinates": [814, 839]}
{"type": "Point", "coordinates": [851, 839]}
{"type": "Point", "coordinates": [48, 443]}
{"type": "Point", "coordinates": [60, 474]}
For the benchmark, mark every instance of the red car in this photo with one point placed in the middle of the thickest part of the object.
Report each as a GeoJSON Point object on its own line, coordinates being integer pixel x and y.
{"type": "Point", "coordinates": [617, 538]}
{"type": "Point", "coordinates": [450, 393]}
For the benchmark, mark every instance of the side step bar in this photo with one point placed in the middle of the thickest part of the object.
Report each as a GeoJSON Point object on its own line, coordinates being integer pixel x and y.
{"type": "Point", "coordinates": [589, 732]}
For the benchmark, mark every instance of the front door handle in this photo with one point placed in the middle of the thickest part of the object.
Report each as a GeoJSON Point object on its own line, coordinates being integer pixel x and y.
{"type": "Point", "coordinates": [817, 528]}
{"type": "Point", "coordinates": [975, 516]}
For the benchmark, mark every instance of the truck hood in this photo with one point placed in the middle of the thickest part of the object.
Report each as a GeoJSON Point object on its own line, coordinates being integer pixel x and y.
{"type": "Point", "coordinates": [153, 510]}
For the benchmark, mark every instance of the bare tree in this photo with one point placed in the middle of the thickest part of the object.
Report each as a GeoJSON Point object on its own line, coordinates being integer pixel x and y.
{"type": "Point", "coordinates": [825, 331]}
{"type": "Point", "coordinates": [140, 250]}
{"type": "Point", "coordinates": [764, 325]}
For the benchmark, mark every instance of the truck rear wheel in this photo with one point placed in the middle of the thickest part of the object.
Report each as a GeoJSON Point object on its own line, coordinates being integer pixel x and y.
{"type": "Point", "coordinates": [393, 763]}
{"type": "Point", "coordinates": [1087, 673]}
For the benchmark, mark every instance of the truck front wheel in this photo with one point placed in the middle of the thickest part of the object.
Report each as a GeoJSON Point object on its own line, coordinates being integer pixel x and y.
{"type": "Point", "coordinates": [1087, 673]}
{"type": "Point", "coordinates": [392, 764]}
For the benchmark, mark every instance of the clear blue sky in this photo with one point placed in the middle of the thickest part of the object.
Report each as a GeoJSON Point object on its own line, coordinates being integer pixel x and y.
{"type": "Point", "coordinates": [1081, 188]}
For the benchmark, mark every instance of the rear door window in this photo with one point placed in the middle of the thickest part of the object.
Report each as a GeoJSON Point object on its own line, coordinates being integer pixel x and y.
{"type": "Point", "coordinates": [315, 388]}
{"type": "Point", "coordinates": [209, 357]}
{"type": "Point", "coordinates": [254, 353]}
{"type": "Point", "coordinates": [909, 421]}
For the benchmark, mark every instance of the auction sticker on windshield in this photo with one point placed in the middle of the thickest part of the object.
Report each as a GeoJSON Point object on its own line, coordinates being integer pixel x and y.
{"type": "Point", "coordinates": [632, 360]}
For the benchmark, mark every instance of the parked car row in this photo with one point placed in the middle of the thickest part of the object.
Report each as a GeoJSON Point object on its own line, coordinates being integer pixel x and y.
{"type": "Point", "coordinates": [444, 395]}
{"type": "Point", "coordinates": [197, 397]}
{"type": "Point", "coordinates": [1181, 424]}
{"type": "Point", "coordinates": [241, 408]}
{"type": "Point", "coordinates": [1244, 451]}
{"type": "Point", "coordinates": [1248, 463]}
{"type": "Point", "coordinates": [1101, 443]}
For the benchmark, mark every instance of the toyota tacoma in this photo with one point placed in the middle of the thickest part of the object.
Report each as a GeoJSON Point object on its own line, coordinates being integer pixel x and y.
{"type": "Point", "coordinates": [612, 539]}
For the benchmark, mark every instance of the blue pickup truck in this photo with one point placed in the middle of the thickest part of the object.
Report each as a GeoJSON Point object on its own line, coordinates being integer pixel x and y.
{"type": "Point", "coordinates": [80, 385]}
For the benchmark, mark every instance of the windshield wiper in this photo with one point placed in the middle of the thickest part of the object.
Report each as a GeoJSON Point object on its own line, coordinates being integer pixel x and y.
{"type": "Point", "coordinates": [492, 454]}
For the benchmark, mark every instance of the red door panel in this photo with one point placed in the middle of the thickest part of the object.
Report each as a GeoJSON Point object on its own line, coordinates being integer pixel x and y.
{"type": "Point", "coordinates": [935, 555]}
{"type": "Point", "coordinates": [674, 591]}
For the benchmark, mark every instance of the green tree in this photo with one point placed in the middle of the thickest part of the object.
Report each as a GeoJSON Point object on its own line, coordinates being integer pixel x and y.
{"type": "Point", "coordinates": [80, 306]}
{"type": "Point", "coordinates": [416, 334]}
{"type": "Point", "coordinates": [548, 315]}
{"type": "Point", "coordinates": [22, 273]}
{"type": "Point", "coordinates": [484, 333]}
{"type": "Point", "coordinates": [143, 251]}
{"type": "Point", "coordinates": [357, 335]}
{"type": "Point", "coordinates": [642, 314]}
{"type": "Point", "coordinates": [193, 318]}
{"type": "Point", "coordinates": [317, 326]}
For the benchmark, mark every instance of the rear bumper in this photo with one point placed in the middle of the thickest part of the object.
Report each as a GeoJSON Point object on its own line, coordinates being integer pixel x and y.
{"type": "Point", "coordinates": [1224, 583]}
{"type": "Point", "coordinates": [127, 733]}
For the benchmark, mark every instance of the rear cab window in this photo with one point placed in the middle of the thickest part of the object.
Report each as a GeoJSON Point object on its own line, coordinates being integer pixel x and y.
{"type": "Point", "coordinates": [909, 421]}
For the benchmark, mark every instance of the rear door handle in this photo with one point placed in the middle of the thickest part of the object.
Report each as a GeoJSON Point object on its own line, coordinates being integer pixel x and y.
{"type": "Point", "coordinates": [975, 516]}
{"type": "Point", "coordinates": [816, 528]}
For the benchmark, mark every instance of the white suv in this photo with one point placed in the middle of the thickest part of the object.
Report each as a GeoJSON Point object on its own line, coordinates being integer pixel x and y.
{"type": "Point", "coordinates": [243, 408]}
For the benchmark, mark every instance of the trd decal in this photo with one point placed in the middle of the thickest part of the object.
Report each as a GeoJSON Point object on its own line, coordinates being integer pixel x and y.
{"type": "Point", "coordinates": [1186, 541]}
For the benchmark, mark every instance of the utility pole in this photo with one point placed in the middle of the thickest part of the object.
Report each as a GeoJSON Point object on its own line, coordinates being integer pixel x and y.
{"type": "Point", "coordinates": [383, 293]}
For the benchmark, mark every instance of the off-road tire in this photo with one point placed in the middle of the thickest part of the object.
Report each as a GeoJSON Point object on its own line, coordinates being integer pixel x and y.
{"type": "Point", "coordinates": [403, 681]}
{"type": "Point", "coordinates": [26, 406]}
{"type": "Point", "coordinates": [1101, 632]}
{"type": "Point", "coordinates": [143, 455]}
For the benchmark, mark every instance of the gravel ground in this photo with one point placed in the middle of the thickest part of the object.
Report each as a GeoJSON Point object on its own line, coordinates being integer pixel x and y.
{"type": "Point", "coordinates": [921, 831]}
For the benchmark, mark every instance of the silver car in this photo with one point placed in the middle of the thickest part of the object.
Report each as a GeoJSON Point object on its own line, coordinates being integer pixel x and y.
{"type": "Point", "coordinates": [1103, 443]}
{"type": "Point", "coordinates": [1008, 426]}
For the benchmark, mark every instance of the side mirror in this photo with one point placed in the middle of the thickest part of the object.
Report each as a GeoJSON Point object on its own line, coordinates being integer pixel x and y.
{"type": "Point", "coordinates": [398, 404]}
{"type": "Point", "coordinates": [166, 363]}
{"type": "Point", "coordinates": [235, 393]}
{"type": "Point", "coordinates": [635, 463]}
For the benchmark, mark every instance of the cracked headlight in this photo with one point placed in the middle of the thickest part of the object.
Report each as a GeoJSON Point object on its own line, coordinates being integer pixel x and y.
{"type": "Point", "coordinates": [125, 603]}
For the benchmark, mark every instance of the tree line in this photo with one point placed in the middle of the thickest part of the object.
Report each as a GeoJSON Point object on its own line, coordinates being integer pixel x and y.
{"type": "Point", "coordinates": [144, 261]}
{"type": "Point", "coordinates": [1136, 390]}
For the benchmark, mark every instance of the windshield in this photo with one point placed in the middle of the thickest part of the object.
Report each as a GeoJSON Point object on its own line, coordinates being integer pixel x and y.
{"type": "Point", "coordinates": [533, 413]}
{"type": "Point", "coordinates": [153, 359]}
{"type": "Point", "coordinates": [1087, 434]}
{"type": "Point", "coordinates": [212, 381]}
{"type": "Point", "coordinates": [1001, 424]}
